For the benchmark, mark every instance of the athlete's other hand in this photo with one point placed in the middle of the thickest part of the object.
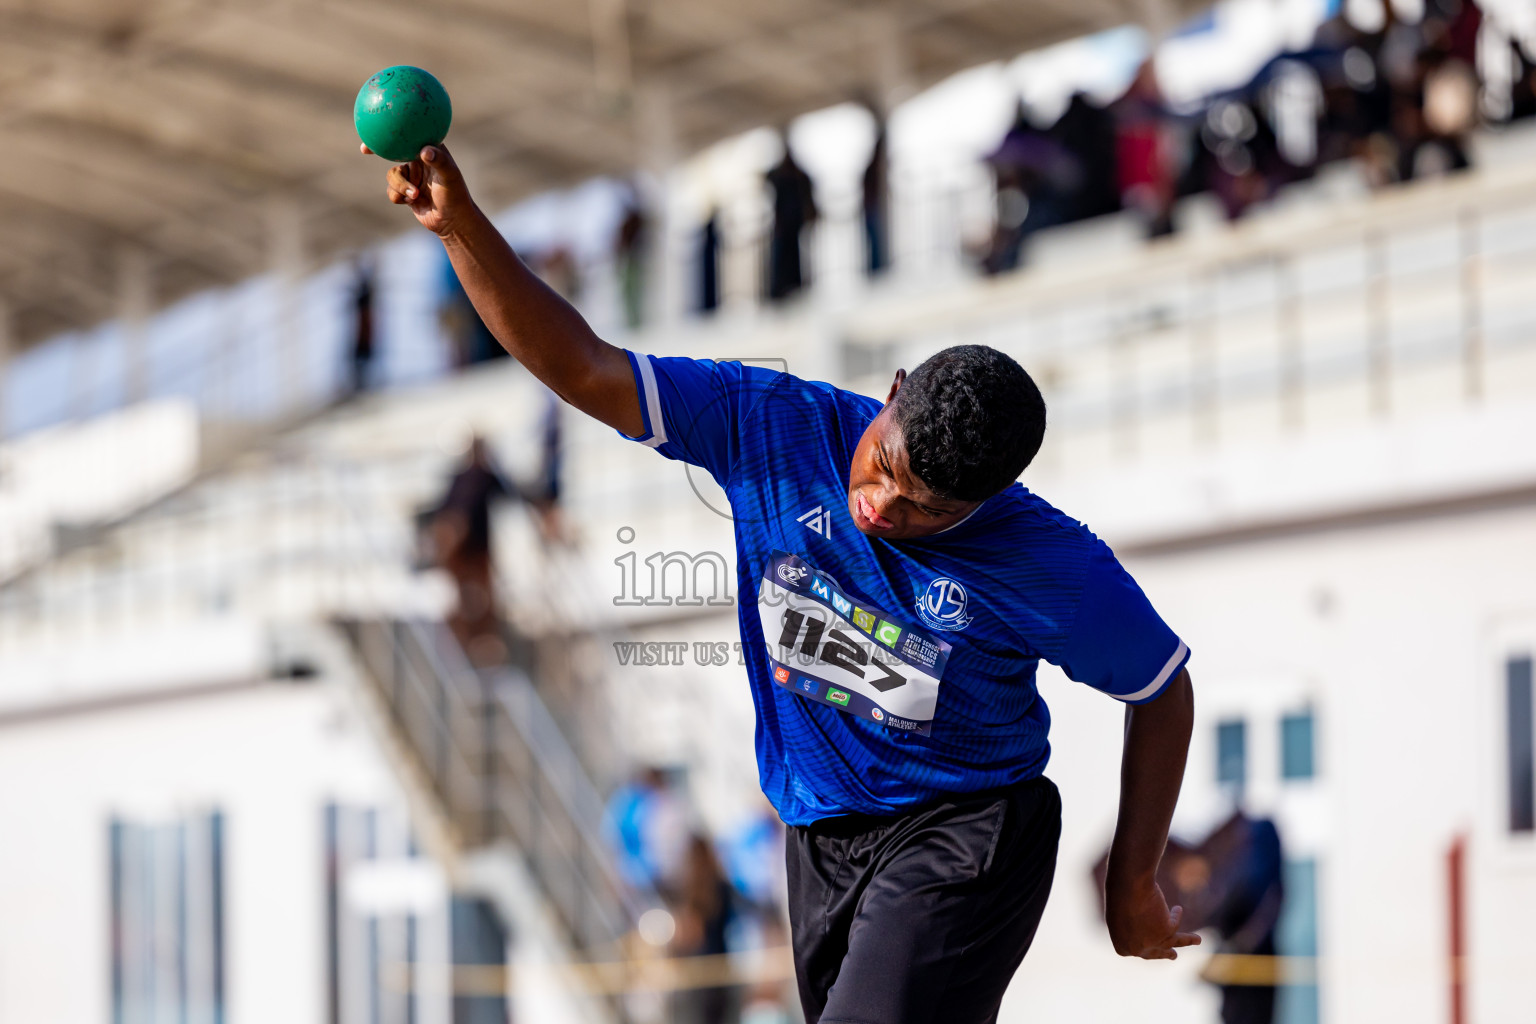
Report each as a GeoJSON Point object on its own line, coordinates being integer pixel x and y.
{"type": "Point", "coordinates": [1140, 924]}
{"type": "Point", "coordinates": [433, 188]}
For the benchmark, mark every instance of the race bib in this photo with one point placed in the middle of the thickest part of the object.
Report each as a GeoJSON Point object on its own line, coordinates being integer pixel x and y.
{"type": "Point", "coordinates": [829, 647]}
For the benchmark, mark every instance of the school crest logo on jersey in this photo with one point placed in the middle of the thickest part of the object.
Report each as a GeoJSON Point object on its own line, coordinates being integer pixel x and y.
{"type": "Point", "coordinates": [944, 605]}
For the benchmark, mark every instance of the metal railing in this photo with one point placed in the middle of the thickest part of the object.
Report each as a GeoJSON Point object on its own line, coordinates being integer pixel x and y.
{"type": "Point", "coordinates": [501, 768]}
{"type": "Point", "coordinates": [1343, 309]}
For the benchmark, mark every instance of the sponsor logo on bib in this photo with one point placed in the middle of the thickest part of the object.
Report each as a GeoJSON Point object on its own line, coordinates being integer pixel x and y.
{"type": "Point", "coordinates": [792, 575]}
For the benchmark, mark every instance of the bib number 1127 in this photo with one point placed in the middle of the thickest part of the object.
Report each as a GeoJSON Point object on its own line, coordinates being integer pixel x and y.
{"type": "Point", "coordinates": [838, 649]}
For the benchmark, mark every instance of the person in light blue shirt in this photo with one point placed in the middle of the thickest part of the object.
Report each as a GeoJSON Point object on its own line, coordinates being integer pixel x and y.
{"type": "Point", "coordinates": [899, 589]}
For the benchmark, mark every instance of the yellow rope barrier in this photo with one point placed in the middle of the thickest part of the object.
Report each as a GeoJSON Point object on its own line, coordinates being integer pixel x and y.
{"type": "Point", "coordinates": [612, 977]}
{"type": "Point", "coordinates": [757, 967]}
{"type": "Point", "coordinates": [1268, 971]}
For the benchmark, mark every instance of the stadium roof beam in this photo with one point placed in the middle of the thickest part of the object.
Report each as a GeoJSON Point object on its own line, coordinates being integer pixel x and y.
{"type": "Point", "coordinates": [230, 173]}
{"type": "Point", "coordinates": [171, 124]}
{"type": "Point", "coordinates": [65, 289]}
{"type": "Point", "coordinates": [133, 209]}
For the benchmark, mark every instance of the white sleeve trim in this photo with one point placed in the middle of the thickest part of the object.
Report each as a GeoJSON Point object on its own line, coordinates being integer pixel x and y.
{"type": "Point", "coordinates": [652, 399]}
{"type": "Point", "coordinates": [1162, 677]}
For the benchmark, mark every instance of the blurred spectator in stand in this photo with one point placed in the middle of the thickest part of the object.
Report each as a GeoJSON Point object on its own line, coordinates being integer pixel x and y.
{"type": "Point", "coordinates": [1448, 86]}
{"type": "Point", "coordinates": [470, 341]}
{"type": "Point", "coordinates": [1236, 156]}
{"type": "Point", "coordinates": [1037, 180]}
{"type": "Point", "coordinates": [1246, 867]}
{"type": "Point", "coordinates": [1233, 881]}
{"type": "Point", "coordinates": [1357, 102]}
{"type": "Point", "coordinates": [543, 493]}
{"type": "Point", "coordinates": [1087, 132]}
{"type": "Point", "coordinates": [1010, 201]}
{"type": "Point", "coordinates": [754, 859]}
{"type": "Point", "coordinates": [462, 540]}
{"type": "Point", "coordinates": [647, 826]}
{"type": "Point", "coordinates": [709, 263]}
{"type": "Point", "coordinates": [794, 209]}
{"type": "Point", "coordinates": [1142, 152]}
{"type": "Point", "coordinates": [630, 256]}
{"type": "Point", "coordinates": [1522, 91]}
{"type": "Point", "coordinates": [877, 204]}
{"type": "Point", "coordinates": [1399, 63]}
{"type": "Point", "coordinates": [702, 909]}
{"type": "Point", "coordinates": [362, 325]}
{"type": "Point", "coordinates": [1463, 21]}
{"type": "Point", "coordinates": [558, 269]}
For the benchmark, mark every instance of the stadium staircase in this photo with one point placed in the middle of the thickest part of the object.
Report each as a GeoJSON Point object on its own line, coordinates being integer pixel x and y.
{"type": "Point", "coordinates": [501, 769]}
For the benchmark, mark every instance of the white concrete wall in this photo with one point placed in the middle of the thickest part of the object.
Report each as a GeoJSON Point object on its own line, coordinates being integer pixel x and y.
{"type": "Point", "coordinates": [1394, 633]}
{"type": "Point", "coordinates": [269, 757]}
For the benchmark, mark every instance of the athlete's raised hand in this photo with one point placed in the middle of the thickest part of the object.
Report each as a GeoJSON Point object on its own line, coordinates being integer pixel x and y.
{"type": "Point", "coordinates": [530, 320]}
{"type": "Point", "coordinates": [432, 187]}
{"type": "Point", "coordinates": [1140, 924]}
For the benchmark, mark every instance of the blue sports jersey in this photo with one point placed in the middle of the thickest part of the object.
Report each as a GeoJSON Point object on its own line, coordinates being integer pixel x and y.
{"type": "Point", "coordinates": [889, 673]}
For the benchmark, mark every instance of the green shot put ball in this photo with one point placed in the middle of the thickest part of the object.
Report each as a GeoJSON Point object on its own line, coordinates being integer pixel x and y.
{"type": "Point", "coordinates": [401, 109]}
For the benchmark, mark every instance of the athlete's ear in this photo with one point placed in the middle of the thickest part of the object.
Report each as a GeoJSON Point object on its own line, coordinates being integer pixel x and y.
{"type": "Point", "coordinates": [901, 376]}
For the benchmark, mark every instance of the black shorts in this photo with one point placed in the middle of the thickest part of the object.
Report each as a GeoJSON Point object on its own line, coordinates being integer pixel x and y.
{"type": "Point", "coordinates": [922, 917]}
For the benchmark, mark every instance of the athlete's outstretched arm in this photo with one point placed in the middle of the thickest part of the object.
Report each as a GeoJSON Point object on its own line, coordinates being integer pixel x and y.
{"type": "Point", "coordinates": [530, 320]}
{"type": "Point", "coordinates": [1151, 772]}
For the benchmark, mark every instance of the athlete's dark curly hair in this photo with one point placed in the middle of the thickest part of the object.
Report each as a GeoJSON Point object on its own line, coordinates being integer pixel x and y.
{"type": "Point", "coordinates": [972, 419]}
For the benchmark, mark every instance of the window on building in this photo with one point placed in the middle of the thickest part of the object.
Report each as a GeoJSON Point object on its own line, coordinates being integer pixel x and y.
{"type": "Point", "coordinates": [382, 942]}
{"type": "Point", "coordinates": [1232, 752]}
{"type": "Point", "coordinates": [1296, 746]}
{"type": "Point", "coordinates": [1296, 936]}
{"type": "Point", "coordinates": [478, 938]}
{"type": "Point", "coordinates": [167, 893]}
{"type": "Point", "coordinates": [1521, 769]}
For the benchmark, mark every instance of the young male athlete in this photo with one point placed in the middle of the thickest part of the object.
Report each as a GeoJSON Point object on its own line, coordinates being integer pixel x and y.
{"type": "Point", "coordinates": [891, 648]}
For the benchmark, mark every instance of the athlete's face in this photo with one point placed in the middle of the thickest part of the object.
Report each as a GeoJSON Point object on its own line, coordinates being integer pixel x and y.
{"type": "Point", "coordinates": [885, 498]}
